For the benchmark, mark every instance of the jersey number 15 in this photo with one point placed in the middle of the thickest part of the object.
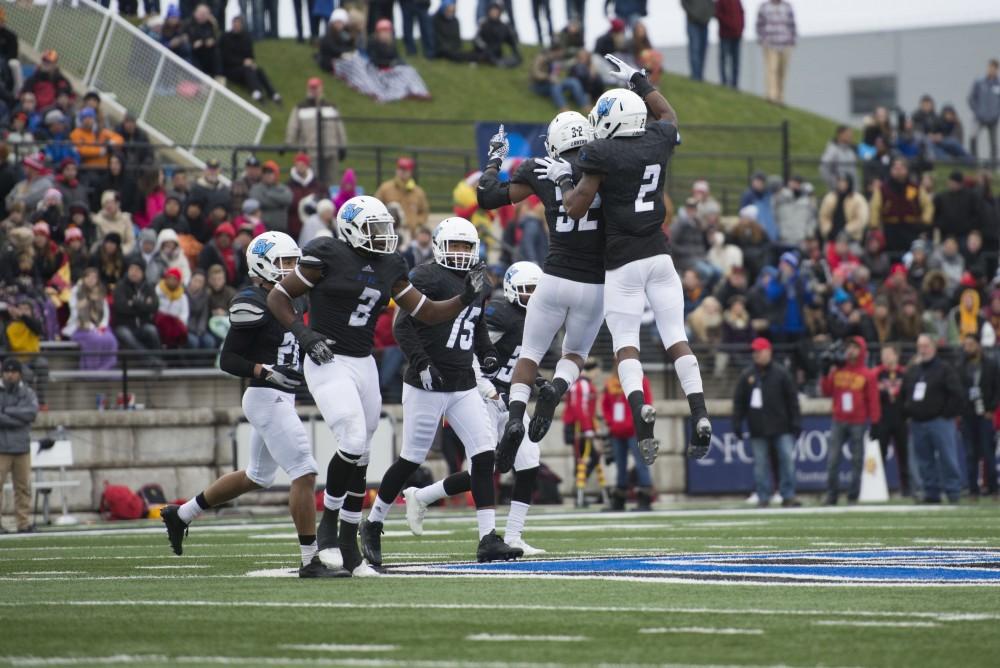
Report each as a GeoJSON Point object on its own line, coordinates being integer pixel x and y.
{"type": "Point", "coordinates": [464, 328]}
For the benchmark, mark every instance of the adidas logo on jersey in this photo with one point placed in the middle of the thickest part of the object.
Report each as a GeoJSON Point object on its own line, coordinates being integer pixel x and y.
{"type": "Point", "coordinates": [367, 267]}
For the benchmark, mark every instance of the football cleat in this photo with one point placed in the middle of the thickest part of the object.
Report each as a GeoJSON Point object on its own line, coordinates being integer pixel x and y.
{"type": "Point", "coordinates": [331, 557]}
{"type": "Point", "coordinates": [701, 439]}
{"type": "Point", "coordinates": [648, 447]}
{"type": "Point", "coordinates": [176, 529]}
{"type": "Point", "coordinates": [326, 534]}
{"type": "Point", "coordinates": [371, 541]}
{"type": "Point", "coordinates": [316, 569]}
{"type": "Point", "coordinates": [415, 511]}
{"type": "Point", "coordinates": [492, 548]}
{"type": "Point", "coordinates": [527, 550]}
{"type": "Point", "coordinates": [363, 570]}
{"type": "Point", "coordinates": [513, 434]}
{"type": "Point", "coordinates": [545, 408]}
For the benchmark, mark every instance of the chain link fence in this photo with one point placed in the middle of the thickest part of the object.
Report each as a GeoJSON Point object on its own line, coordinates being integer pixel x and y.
{"type": "Point", "coordinates": [174, 102]}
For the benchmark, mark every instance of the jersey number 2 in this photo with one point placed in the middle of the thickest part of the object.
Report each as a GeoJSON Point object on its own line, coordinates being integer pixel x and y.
{"type": "Point", "coordinates": [464, 328]}
{"type": "Point", "coordinates": [650, 179]}
{"type": "Point", "coordinates": [369, 297]}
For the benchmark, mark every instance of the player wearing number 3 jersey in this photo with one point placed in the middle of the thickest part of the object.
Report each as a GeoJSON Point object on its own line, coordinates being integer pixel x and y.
{"type": "Point", "coordinates": [570, 292]}
{"type": "Point", "coordinates": [350, 281]}
{"type": "Point", "coordinates": [635, 135]}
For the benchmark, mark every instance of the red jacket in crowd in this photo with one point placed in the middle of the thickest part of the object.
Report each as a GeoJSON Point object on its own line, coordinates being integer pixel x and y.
{"type": "Point", "coordinates": [730, 16]}
{"type": "Point", "coordinates": [616, 411]}
{"type": "Point", "coordinates": [581, 405]}
{"type": "Point", "coordinates": [384, 337]}
{"type": "Point", "coordinates": [854, 389]}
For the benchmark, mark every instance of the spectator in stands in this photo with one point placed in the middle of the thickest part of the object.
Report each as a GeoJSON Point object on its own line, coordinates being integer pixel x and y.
{"type": "Point", "coordinates": [950, 262]}
{"type": "Point", "coordinates": [795, 213]}
{"type": "Point", "coordinates": [137, 149]}
{"type": "Point", "coordinates": [171, 217]}
{"type": "Point", "coordinates": [874, 256]}
{"type": "Point", "coordinates": [239, 64]}
{"type": "Point", "coordinates": [419, 251]}
{"type": "Point", "coordinates": [167, 255]}
{"type": "Point", "coordinates": [537, 8]}
{"type": "Point", "coordinates": [18, 408]}
{"type": "Point", "coordinates": [493, 35]}
{"type": "Point", "coordinates": [314, 120]}
{"type": "Point", "coordinates": [933, 396]}
{"type": "Point", "coordinates": [179, 186]}
{"type": "Point", "coordinates": [47, 81]}
{"type": "Point", "coordinates": [584, 71]}
{"type": "Point", "coordinates": [196, 222]}
{"type": "Point", "coordinates": [701, 191]}
{"type": "Point", "coordinates": [549, 80]}
{"type": "Point", "coordinates": [173, 310]}
{"type": "Point", "coordinates": [694, 290]}
{"type": "Point", "coordinates": [403, 189]}
{"type": "Point", "coordinates": [903, 210]}
{"type": "Point", "coordinates": [976, 261]}
{"type": "Point", "coordinates": [839, 157]}
{"type": "Point", "coordinates": [925, 118]}
{"type": "Point", "coordinates": [957, 210]}
{"type": "Point", "coordinates": [240, 188]}
{"type": "Point", "coordinates": [28, 105]}
{"type": "Point", "coordinates": [382, 46]}
{"type": "Point", "coordinates": [788, 295]}
{"type": "Point", "coordinates": [776, 34]}
{"type": "Point", "coordinates": [984, 101]}
{"type": "Point", "coordinates": [766, 399]}
{"type": "Point", "coordinates": [173, 36]}
{"type": "Point", "coordinates": [843, 210]}
{"type": "Point", "coordinates": [250, 217]}
{"type": "Point", "coordinates": [109, 260]}
{"type": "Point", "coordinates": [389, 356]}
{"type": "Point", "coordinates": [134, 306]}
{"type": "Point", "coordinates": [210, 190]}
{"type": "Point", "coordinates": [33, 187]}
{"type": "Point", "coordinates": [621, 433]}
{"type": "Point", "coordinates": [145, 246]}
{"type": "Point", "coordinates": [77, 255]}
{"type": "Point", "coordinates": [220, 251]}
{"type": "Point", "coordinates": [94, 143]}
{"type": "Point", "coordinates": [303, 183]}
{"type": "Point", "coordinates": [59, 146]}
{"type": "Point", "coordinates": [199, 337]}
{"type": "Point", "coordinates": [112, 219]}
{"type": "Point", "coordinates": [723, 256]}
{"type": "Point", "coordinates": [203, 33]}
{"type": "Point", "coordinates": [274, 198]}
{"type": "Point", "coordinates": [947, 139]}
{"type": "Point", "coordinates": [966, 319]}
{"type": "Point", "coordinates": [220, 294]}
{"type": "Point", "coordinates": [980, 378]}
{"type": "Point", "coordinates": [845, 320]}
{"type": "Point", "coordinates": [50, 211]}
{"type": "Point", "coordinates": [319, 224]}
{"type": "Point", "coordinates": [348, 189]}
{"type": "Point", "coordinates": [729, 14]}
{"type": "Point", "coordinates": [752, 240]}
{"type": "Point", "coordinates": [417, 11]}
{"type": "Point", "coordinates": [705, 323]}
{"type": "Point", "coordinates": [311, 18]}
{"type": "Point", "coordinates": [699, 14]}
{"type": "Point", "coordinates": [687, 242]}
{"type": "Point", "coordinates": [643, 53]}
{"type": "Point", "coordinates": [10, 76]}
{"type": "Point", "coordinates": [892, 427]}
{"type": "Point", "coordinates": [760, 196]}
{"type": "Point", "coordinates": [613, 41]}
{"type": "Point", "coordinates": [149, 195]}
{"type": "Point", "coordinates": [339, 40]}
{"type": "Point", "coordinates": [89, 323]}
{"type": "Point", "coordinates": [48, 256]}
{"type": "Point", "coordinates": [8, 177]}
{"type": "Point", "coordinates": [69, 184]}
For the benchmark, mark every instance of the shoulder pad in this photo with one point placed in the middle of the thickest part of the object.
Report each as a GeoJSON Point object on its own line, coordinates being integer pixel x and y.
{"type": "Point", "coordinates": [665, 129]}
{"type": "Point", "coordinates": [249, 308]}
{"type": "Point", "coordinates": [317, 252]}
{"type": "Point", "coordinates": [592, 158]}
{"type": "Point", "coordinates": [423, 276]}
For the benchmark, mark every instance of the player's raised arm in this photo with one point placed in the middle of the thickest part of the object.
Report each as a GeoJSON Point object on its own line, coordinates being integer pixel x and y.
{"type": "Point", "coordinates": [636, 81]}
{"type": "Point", "coordinates": [416, 303]}
{"type": "Point", "coordinates": [493, 193]}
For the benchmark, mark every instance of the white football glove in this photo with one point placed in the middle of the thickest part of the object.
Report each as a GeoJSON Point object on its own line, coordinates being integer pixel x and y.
{"type": "Point", "coordinates": [283, 376]}
{"type": "Point", "coordinates": [498, 147]}
{"type": "Point", "coordinates": [624, 71]}
{"type": "Point", "coordinates": [431, 379]}
{"type": "Point", "coordinates": [553, 170]}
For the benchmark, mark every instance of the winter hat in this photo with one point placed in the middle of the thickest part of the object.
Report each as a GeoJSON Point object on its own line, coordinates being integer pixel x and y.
{"type": "Point", "coordinates": [175, 272]}
{"type": "Point", "coordinates": [790, 258]}
{"type": "Point", "coordinates": [73, 233]}
{"type": "Point", "coordinates": [148, 234]}
{"type": "Point", "coordinates": [42, 228]}
{"type": "Point", "coordinates": [841, 296]}
{"type": "Point", "coordinates": [302, 157]}
{"type": "Point", "coordinates": [54, 116]}
{"type": "Point", "coordinates": [383, 24]}
{"type": "Point", "coordinates": [749, 212]}
{"type": "Point", "coordinates": [224, 228]}
{"type": "Point", "coordinates": [760, 343]}
{"type": "Point", "coordinates": [88, 112]}
{"type": "Point", "coordinates": [250, 207]}
{"type": "Point", "coordinates": [53, 194]}
{"type": "Point", "coordinates": [324, 206]}
{"type": "Point", "coordinates": [340, 14]}
{"type": "Point", "coordinates": [34, 161]}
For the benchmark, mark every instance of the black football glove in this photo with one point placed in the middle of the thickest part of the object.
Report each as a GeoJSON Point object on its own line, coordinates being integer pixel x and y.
{"type": "Point", "coordinates": [431, 379]}
{"type": "Point", "coordinates": [489, 365]}
{"type": "Point", "coordinates": [283, 375]}
{"type": "Point", "coordinates": [477, 284]}
{"type": "Point", "coordinates": [315, 345]}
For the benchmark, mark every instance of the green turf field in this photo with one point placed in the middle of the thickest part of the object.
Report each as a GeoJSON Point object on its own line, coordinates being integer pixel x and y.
{"type": "Point", "coordinates": [120, 597]}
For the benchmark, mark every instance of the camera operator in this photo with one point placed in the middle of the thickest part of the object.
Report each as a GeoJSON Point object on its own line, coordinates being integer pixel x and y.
{"type": "Point", "coordinates": [980, 378]}
{"type": "Point", "coordinates": [854, 390]}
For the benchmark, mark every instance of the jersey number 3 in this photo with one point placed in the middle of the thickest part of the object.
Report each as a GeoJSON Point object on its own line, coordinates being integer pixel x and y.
{"type": "Point", "coordinates": [566, 224]}
{"type": "Point", "coordinates": [650, 180]}
{"type": "Point", "coordinates": [464, 328]}
{"type": "Point", "coordinates": [369, 297]}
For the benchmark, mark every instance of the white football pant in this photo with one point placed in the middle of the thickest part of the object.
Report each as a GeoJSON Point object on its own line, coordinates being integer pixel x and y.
{"type": "Point", "coordinates": [346, 391]}
{"type": "Point", "coordinates": [557, 301]}
{"type": "Point", "coordinates": [626, 290]}
{"type": "Point", "coordinates": [278, 437]}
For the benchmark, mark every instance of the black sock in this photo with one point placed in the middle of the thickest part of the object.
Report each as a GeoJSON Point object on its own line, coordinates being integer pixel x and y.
{"type": "Point", "coordinates": [307, 540]}
{"type": "Point", "coordinates": [458, 483]}
{"type": "Point", "coordinates": [516, 411]}
{"type": "Point", "coordinates": [524, 485]}
{"type": "Point", "coordinates": [696, 402]}
{"type": "Point", "coordinates": [348, 541]}
{"type": "Point", "coordinates": [483, 492]}
{"type": "Point", "coordinates": [202, 503]}
{"type": "Point", "coordinates": [339, 471]}
{"type": "Point", "coordinates": [395, 478]}
{"type": "Point", "coordinates": [328, 529]}
{"type": "Point", "coordinates": [355, 499]}
{"type": "Point", "coordinates": [636, 400]}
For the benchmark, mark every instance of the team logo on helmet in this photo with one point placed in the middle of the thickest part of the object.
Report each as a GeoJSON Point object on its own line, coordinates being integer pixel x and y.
{"type": "Point", "coordinates": [261, 247]}
{"type": "Point", "coordinates": [350, 212]}
{"type": "Point", "coordinates": [605, 105]}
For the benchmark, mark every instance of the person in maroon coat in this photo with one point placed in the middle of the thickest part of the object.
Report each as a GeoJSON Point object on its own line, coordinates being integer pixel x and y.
{"type": "Point", "coordinates": [303, 182]}
{"type": "Point", "coordinates": [729, 13]}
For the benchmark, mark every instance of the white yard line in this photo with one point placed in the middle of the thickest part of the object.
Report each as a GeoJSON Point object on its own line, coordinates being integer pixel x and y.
{"type": "Point", "coordinates": [880, 625]}
{"type": "Point", "coordinates": [172, 568]}
{"type": "Point", "coordinates": [335, 647]}
{"type": "Point", "coordinates": [46, 572]}
{"type": "Point", "coordinates": [509, 637]}
{"type": "Point", "coordinates": [703, 631]}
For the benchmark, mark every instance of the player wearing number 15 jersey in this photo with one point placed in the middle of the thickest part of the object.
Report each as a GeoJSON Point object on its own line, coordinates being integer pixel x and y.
{"type": "Point", "coordinates": [350, 281]}
{"type": "Point", "coordinates": [635, 134]}
{"type": "Point", "coordinates": [570, 291]}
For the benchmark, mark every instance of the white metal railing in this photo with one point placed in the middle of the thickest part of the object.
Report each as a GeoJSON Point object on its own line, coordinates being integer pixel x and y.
{"type": "Point", "coordinates": [174, 102]}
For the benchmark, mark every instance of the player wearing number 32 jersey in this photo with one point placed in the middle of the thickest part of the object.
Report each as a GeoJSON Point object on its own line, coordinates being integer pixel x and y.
{"type": "Point", "coordinates": [350, 281]}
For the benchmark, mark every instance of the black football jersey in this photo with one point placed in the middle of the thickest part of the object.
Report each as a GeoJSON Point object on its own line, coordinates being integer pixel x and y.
{"type": "Point", "coordinates": [634, 171]}
{"type": "Point", "coordinates": [346, 302]}
{"type": "Point", "coordinates": [256, 337]}
{"type": "Point", "coordinates": [505, 325]}
{"type": "Point", "coordinates": [576, 247]}
{"type": "Point", "coordinates": [449, 346]}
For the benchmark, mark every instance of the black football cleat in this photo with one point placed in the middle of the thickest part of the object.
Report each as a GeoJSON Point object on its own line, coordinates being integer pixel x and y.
{"type": "Point", "coordinates": [545, 407]}
{"type": "Point", "coordinates": [371, 541]}
{"type": "Point", "coordinates": [316, 569]}
{"type": "Point", "coordinates": [649, 446]}
{"type": "Point", "coordinates": [701, 439]}
{"type": "Point", "coordinates": [513, 434]}
{"type": "Point", "coordinates": [349, 552]}
{"type": "Point", "coordinates": [492, 548]}
{"type": "Point", "coordinates": [176, 529]}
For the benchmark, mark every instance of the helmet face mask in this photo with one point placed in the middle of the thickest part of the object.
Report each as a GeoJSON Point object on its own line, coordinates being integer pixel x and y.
{"type": "Point", "coordinates": [568, 130]}
{"type": "Point", "coordinates": [456, 244]}
{"type": "Point", "coordinates": [618, 113]}
{"type": "Point", "coordinates": [520, 281]}
{"type": "Point", "coordinates": [365, 224]}
{"type": "Point", "coordinates": [271, 256]}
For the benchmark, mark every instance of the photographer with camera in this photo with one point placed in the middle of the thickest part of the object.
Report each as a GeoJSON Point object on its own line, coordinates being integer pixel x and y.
{"type": "Point", "coordinates": [980, 378]}
{"type": "Point", "coordinates": [854, 390]}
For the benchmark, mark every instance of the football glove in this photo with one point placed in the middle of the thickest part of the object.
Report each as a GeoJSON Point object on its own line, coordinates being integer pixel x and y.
{"type": "Point", "coordinates": [315, 345]}
{"type": "Point", "coordinates": [498, 149]}
{"type": "Point", "coordinates": [553, 170]}
{"type": "Point", "coordinates": [489, 365]}
{"type": "Point", "coordinates": [477, 284]}
{"type": "Point", "coordinates": [283, 375]}
{"type": "Point", "coordinates": [623, 72]}
{"type": "Point", "coordinates": [431, 379]}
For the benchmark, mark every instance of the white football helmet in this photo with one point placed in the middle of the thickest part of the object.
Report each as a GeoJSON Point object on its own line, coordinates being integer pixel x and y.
{"type": "Point", "coordinates": [266, 252]}
{"type": "Point", "coordinates": [446, 234]}
{"type": "Point", "coordinates": [567, 130]}
{"type": "Point", "coordinates": [366, 224]}
{"type": "Point", "coordinates": [618, 113]}
{"type": "Point", "coordinates": [519, 282]}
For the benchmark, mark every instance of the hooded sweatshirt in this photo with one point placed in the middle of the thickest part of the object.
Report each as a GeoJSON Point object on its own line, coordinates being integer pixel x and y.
{"type": "Point", "coordinates": [160, 261]}
{"type": "Point", "coordinates": [854, 389]}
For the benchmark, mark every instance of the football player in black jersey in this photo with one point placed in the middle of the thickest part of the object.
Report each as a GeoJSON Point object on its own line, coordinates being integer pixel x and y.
{"type": "Point", "coordinates": [259, 348]}
{"type": "Point", "coordinates": [634, 136]}
{"type": "Point", "coordinates": [505, 324]}
{"type": "Point", "coordinates": [350, 281]}
{"type": "Point", "coordinates": [440, 382]}
{"type": "Point", "coordinates": [571, 290]}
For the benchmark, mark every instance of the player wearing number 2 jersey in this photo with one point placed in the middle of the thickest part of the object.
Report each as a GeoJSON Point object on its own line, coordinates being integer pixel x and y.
{"type": "Point", "coordinates": [635, 135]}
{"type": "Point", "coordinates": [350, 281]}
{"type": "Point", "coordinates": [571, 290]}
{"type": "Point", "coordinates": [440, 382]}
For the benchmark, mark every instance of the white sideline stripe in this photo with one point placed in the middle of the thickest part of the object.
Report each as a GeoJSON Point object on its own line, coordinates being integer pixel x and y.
{"type": "Point", "coordinates": [509, 637]}
{"type": "Point", "coordinates": [705, 630]}
{"type": "Point", "coordinates": [170, 568]}
{"type": "Point", "coordinates": [387, 534]}
{"type": "Point", "coordinates": [46, 572]}
{"type": "Point", "coordinates": [850, 622]}
{"type": "Point", "coordinates": [334, 647]}
{"type": "Point", "coordinates": [147, 557]}
{"type": "Point", "coordinates": [346, 605]}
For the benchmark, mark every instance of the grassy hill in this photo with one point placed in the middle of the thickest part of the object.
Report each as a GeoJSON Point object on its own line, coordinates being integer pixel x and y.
{"type": "Point", "coordinates": [464, 93]}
